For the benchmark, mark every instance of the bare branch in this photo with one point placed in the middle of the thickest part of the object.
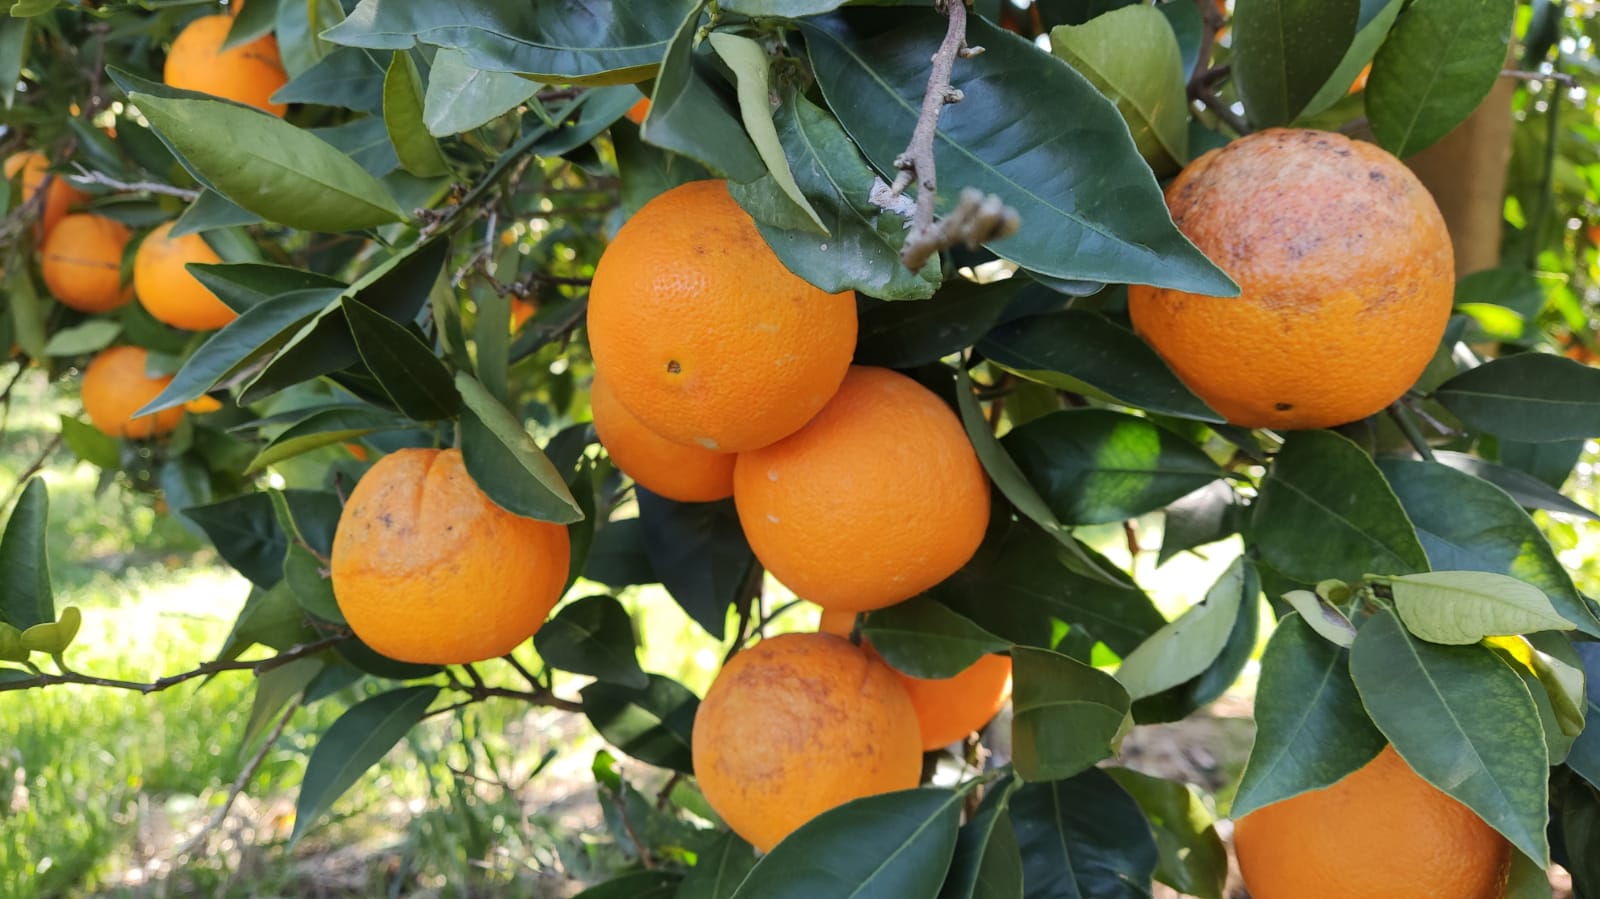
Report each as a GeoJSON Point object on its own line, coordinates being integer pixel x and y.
{"type": "Point", "coordinates": [242, 781]}
{"type": "Point", "coordinates": [259, 666]}
{"type": "Point", "coordinates": [84, 176]}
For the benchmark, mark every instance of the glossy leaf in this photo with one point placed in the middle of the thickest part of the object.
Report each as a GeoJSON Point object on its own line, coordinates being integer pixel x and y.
{"type": "Point", "coordinates": [1584, 756]}
{"type": "Point", "coordinates": [893, 844]}
{"type": "Point", "coordinates": [636, 885]}
{"type": "Point", "coordinates": [1187, 646]}
{"type": "Point", "coordinates": [348, 77]}
{"type": "Point", "coordinates": [923, 638]}
{"type": "Point", "coordinates": [987, 862]}
{"type": "Point", "coordinates": [1083, 837]}
{"type": "Point", "coordinates": [718, 871]}
{"type": "Point", "coordinates": [1285, 50]}
{"type": "Point", "coordinates": [505, 462]}
{"type": "Point", "coordinates": [1090, 206]}
{"type": "Point", "coordinates": [339, 424]}
{"type": "Point", "coordinates": [461, 96]}
{"type": "Point", "coordinates": [691, 116]}
{"type": "Point", "coordinates": [748, 62]}
{"type": "Point", "coordinates": [245, 531]}
{"type": "Point", "coordinates": [1440, 60]}
{"type": "Point", "coordinates": [1193, 860]}
{"type": "Point", "coordinates": [243, 285]}
{"type": "Point", "coordinates": [699, 553]}
{"type": "Point", "coordinates": [1066, 715]}
{"type": "Point", "coordinates": [903, 335]}
{"type": "Point", "coordinates": [1325, 511]}
{"type": "Point", "coordinates": [1087, 353]}
{"type": "Point", "coordinates": [1459, 608]}
{"type": "Point", "coordinates": [416, 149]}
{"type": "Point", "coordinates": [1528, 491]}
{"type": "Point", "coordinates": [1205, 516]}
{"type": "Point", "coordinates": [1132, 56]}
{"type": "Point", "coordinates": [1377, 17]}
{"type": "Point", "coordinates": [1463, 720]}
{"type": "Point", "coordinates": [209, 212]}
{"type": "Point", "coordinates": [362, 736]}
{"type": "Point", "coordinates": [653, 724]}
{"type": "Point", "coordinates": [1530, 397]}
{"type": "Point", "coordinates": [592, 636]}
{"type": "Point", "coordinates": [406, 368]}
{"type": "Point", "coordinates": [1311, 728]}
{"type": "Point", "coordinates": [25, 561]}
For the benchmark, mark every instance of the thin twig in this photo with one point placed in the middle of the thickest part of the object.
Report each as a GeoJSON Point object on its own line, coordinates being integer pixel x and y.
{"type": "Point", "coordinates": [84, 176]}
{"type": "Point", "coordinates": [242, 781]}
{"type": "Point", "coordinates": [1530, 75]}
{"type": "Point", "coordinates": [34, 468]}
{"type": "Point", "coordinates": [518, 667]}
{"type": "Point", "coordinates": [259, 666]}
{"type": "Point", "coordinates": [1408, 426]}
{"type": "Point", "coordinates": [1223, 111]}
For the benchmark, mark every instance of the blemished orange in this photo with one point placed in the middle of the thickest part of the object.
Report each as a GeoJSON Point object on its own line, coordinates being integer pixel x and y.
{"type": "Point", "coordinates": [249, 73]}
{"type": "Point", "coordinates": [948, 708]}
{"type": "Point", "coordinates": [168, 290]}
{"type": "Point", "coordinates": [796, 725]}
{"type": "Point", "coordinates": [59, 196]}
{"type": "Point", "coordinates": [81, 262]}
{"type": "Point", "coordinates": [876, 499]}
{"type": "Point", "coordinates": [115, 385]}
{"type": "Point", "coordinates": [1346, 273]}
{"type": "Point", "coordinates": [638, 111]}
{"type": "Point", "coordinates": [702, 332]}
{"type": "Point", "coordinates": [687, 474]}
{"type": "Point", "coordinates": [427, 569]}
{"type": "Point", "coordinates": [1381, 833]}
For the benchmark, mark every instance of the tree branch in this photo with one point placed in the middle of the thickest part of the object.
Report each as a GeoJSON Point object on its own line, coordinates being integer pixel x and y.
{"type": "Point", "coordinates": [84, 176]}
{"type": "Point", "coordinates": [259, 666]}
{"type": "Point", "coordinates": [977, 218]}
{"type": "Point", "coordinates": [242, 781]}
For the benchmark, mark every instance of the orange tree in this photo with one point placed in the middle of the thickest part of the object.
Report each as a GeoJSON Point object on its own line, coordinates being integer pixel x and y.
{"type": "Point", "coordinates": [935, 302]}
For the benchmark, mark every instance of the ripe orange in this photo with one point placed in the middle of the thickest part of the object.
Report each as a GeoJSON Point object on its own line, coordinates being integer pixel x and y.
{"type": "Point", "coordinates": [638, 111]}
{"type": "Point", "coordinates": [687, 474]}
{"type": "Point", "coordinates": [948, 708]}
{"type": "Point", "coordinates": [521, 311]}
{"type": "Point", "coordinates": [34, 166]}
{"type": "Point", "coordinates": [82, 262]}
{"type": "Point", "coordinates": [702, 332]}
{"type": "Point", "coordinates": [1346, 274]}
{"type": "Point", "coordinates": [427, 569]}
{"type": "Point", "coordinates": [250, 73]}
{"type": "Point", "coordinates": [116, 385]}
{"type": "Point", "coordinates": [875, 500]}
{"type": "Point", "coordinates": [168, 290]}
{"type": "Point", "coordinates": [1381, 833]}
{"type": "Point", "coordinates": [799, 724]}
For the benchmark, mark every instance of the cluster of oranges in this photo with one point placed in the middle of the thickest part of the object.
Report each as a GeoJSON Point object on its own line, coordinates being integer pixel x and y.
{"type": "Point", "coordinates": [81, 253]}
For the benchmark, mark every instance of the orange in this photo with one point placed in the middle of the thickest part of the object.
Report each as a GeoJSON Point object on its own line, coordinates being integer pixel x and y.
{"type": "Point", "coordinates": [116, 385]}
{"type": "Point", "coordinates": [702, 332]}
{"type": "Point", "coordinates": [521, 311]}
{"type": "Point", "coordinates": [638, 111]}
{"type": "Point", "coordinates": [875, 500]}
{"type": "Point", "coordinates": [948, 708]}
{"type": "Point", "coordinates": [1346, 273]}
{"type": "Point", "coordinates": [427, 569]}
{"type": "Point", "coordinates": [58, 196]}
{"type": "Point", "coordinates": [1381, 833]}
{"type": "Point", "coordinates": [168, 290]}
{"type": "Point", "coordinates": [250, 73]}
{"type": "Point", "coordinates": [82, 262]}
{"type": "Point", "coordinates": [796, 725]}
{"type": "Point", "coordinates": [687, 474]}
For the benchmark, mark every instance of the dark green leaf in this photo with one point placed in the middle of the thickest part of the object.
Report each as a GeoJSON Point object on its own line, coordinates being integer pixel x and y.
{"type": "Point", "coordinates": [270, 617]}
{"type": "Point", "coordinates": [405, 367]}
{"type": "Point", "coordinates": [788, 9]}
{"type": "Point", "coordinates": [416, 149]}
{"type": "Point", "coordinates": [305, 575]}
{"type": "Point", "coordinates": [505, 462]}
{"type": "Point", "coordinates": [1087, 353]}
{"type": "Point", "coordinates": [1193, 860]}
{"type": "Point", "coordinates": [338, 424]}
{"type": "Point", "coordinates": [652, 724]}
{"type": "Point", "coordinates": [903, 335]}
{"type": "Point", "coordinates": [691, 116]}
{"type": "Point", "coordinates": [245, 531]}
{"type": "Point", "coordinates": [275, 689]}
{"type": "Point", "coordinates": [718, 871]}
{"type": "Point", "coordinates": [348, 77]}
{"type": "Point", "coordinates": [1530, 397]}
{"type": "Point", "coordinates": [1551, 463]}
{"type": "Point", "coordinates": [987, 863]}
{"type": "Point", "coordinates": [648, 171]}
{"type": "Point", "coordinates": [1325, 511]}
{"type": "Point", "coordinates": [1082, 838]}
{"type": "Point", "coordinates": [209, 212]}
{"type": "Point", "coordinates": [893, 844]}
{"type": "Point", "coordinates": [1285, 50]}
{"type": "Point", "coordinates": [636, 885]}
{"type": "Point", "coordinates": [1584, 756]}
{"type": "Point", "coordinates": [13, 49]}
{"type": "Point", "coordinates": [596, 110]}
{"type": "Point", "coordinates": [1438, 63]}
{"type": "Point", "coordinates": [699, 553]}
{"type": "Point", "coordinates": [1463, 720]}
{"type": "Point", "coordinates": [27, 599]}
{"type": "Point", "coordinates": [592, 636]}
{"type": "Point", "coordinates": [1066, 715]}
{"type": "Point", "coordinates": [1311, 728]}
{"type": "Point", "coordinates": [1091, 209]}
{"type": "Point", "coordinates": [923, 638]}
{"type": "Point", "coordinates": [617, 557]}
{"type": "Point", "coordinates": [461, 96]}
{"type": "Point", "coordinates": [362, 735]}
{"type": "Point", "coordinates": [1205, 516]}
{"type": "Point", "coordinates": [1528, 491]}
{"type": "Point", "coordinates": [244, 285]}
{"type": "Point", "coordinates": [1377, 16]}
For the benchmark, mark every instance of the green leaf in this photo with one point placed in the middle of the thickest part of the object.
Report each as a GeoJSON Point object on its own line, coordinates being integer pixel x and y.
{"type": "Point", "coordinates": [339, 424]}
{"type": "Point", "coordinates": [592, 636]}
{"type": "Point", "coordinates": [689, 115]}
{"type": "Point", "coordinates": [748, 62]}
{"type": "Point", "coordinates": [617, 557]}
{"type": "Point", "coordinates": [13, 50]}
{"type": "Point", "coordinates": [1467, 524]}
{"type": "Point", "coordinates": [1311, 728]}
{"type": "Point", "coordinates": [27, 310]}
{"type": "Point", "coordinates": [461, 96]}
{"type": "Point", "coordinates": [268, 166]}
{"type": "Point", "coordinates": [1066, 715]}
{"type": "Point", "coordinates": [1529, 397]}
{"type": "Point", "coordinates": [1325, 511]}
{"type": "Point", "coordinates": [11, 648]}
{"type": "Point", "coordinates": [1285, 50]}
{"type": "Point", "coordinates": [1558, 668]}
{"type": "Point", "coordinates": [1205, 516]}
{"type": "Point", "coordinates": [1085, 352]}
{"type": "Point", "coordinates": [414, 146]}
{"type": "Point", "coordinates": [1187, 646]}
{"type": "Point", "coordinates": [244, 285]}
{"type": "Point", "coordinates": [1463, 720]}
{"type": "Point", "coordinates": [653, 724]}
{"type": "Point", "coordinates": [348, 77]}
{"type": "Point", "coordinates": [270, 617]}
{"type": "Point", "coordinates": [209, 212]}
{"type": "Point", "coordinates": [1132, 56]}
{"type": "Point", "coordinates": [406, 368]}
{"type": "Point", "coordinates": [987, 862]}
{"type": "Point", "coordinates": [1528, 491]}
{"type": "Point", "coordinates": [1330, 623]}
{"type": "Point", "coordinates": [1528, 880]}
{"type": "Point", "coordinates": [505, 462]}
{"type": "Point", "coordinates": [1095, 466]}
{"type": "Point", "coordinates": [1438, 63]}
{"type": "Point", "coordinates": [860, 248]}
{"type": "Point", "coordinates": [275, 689]}
{"type": "Point", "coordinates": [892, 844]}
{"type": "Point", "coordinates": [905, 335]}
{"type": "Point", "coordinates": [94, 334]}
{"type": "Point", "coordinates": [90, 444]}
{"type": "Point", "coordinates": [1090, 207]}
{"type": "Point", "coordinates": [602, 42]}
{"type": "Point", "coordinates": [1377, 16]}
{"type": "Point", "coordinates": [54, 637]}
{"type": "Point", "coordinates": [245, 531]}
{"type": "Point", "coordinates": [1193, 860]}
{"type": "Point", "coordinates": [699, 553]}
{"type": "Point", "coordinates": [648, 171]}
{"type": "Point", "coordinates": [923, 638]}
{"type": "Point", "coordinates": [1083, 837]}
{"type": "Point", "coordinates": [718, 871]}
{"type": "Point", "coordinates": [636, 885]}
{"type": "Point", "coordinates": [1459, 608]}
{"type": "Point", "coordinates": [25, 561]}
{"type": "Point", "coordinates": [362, 736]}
{"type": "Point", "coordinates": [1584, 756]}
{"type": "Point", "coordinates": [788, 9]}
